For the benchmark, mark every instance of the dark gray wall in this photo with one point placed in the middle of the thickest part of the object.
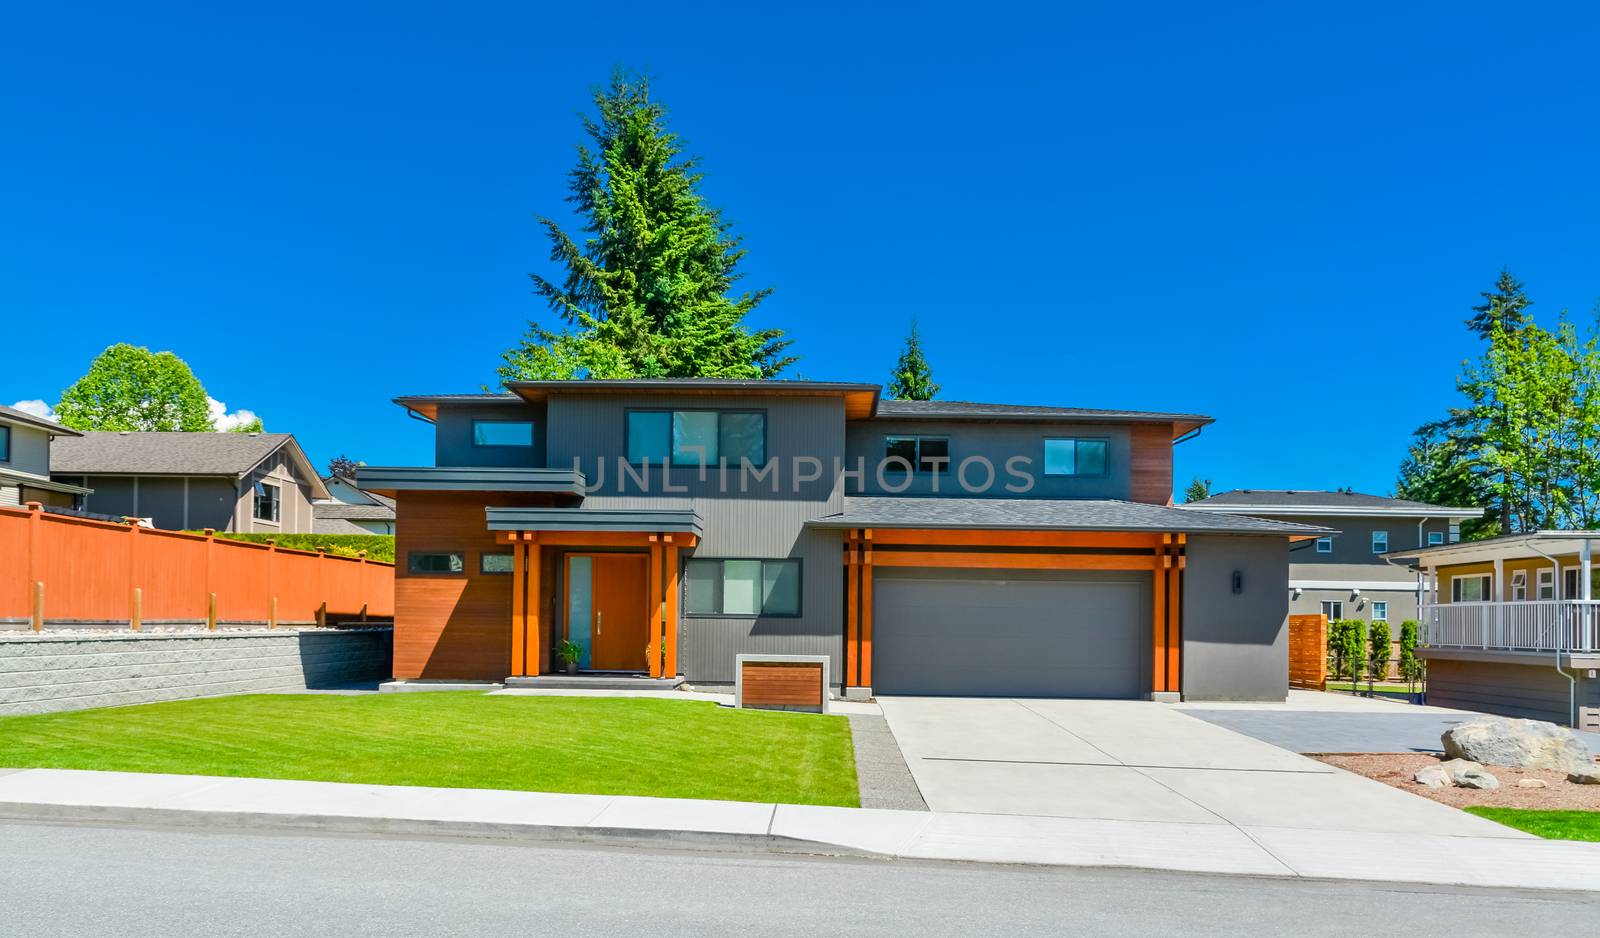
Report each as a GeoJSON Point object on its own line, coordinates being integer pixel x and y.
{"type": "Point", "coordinates": [996, 442]}
{"type": "Point", "coordinates": [1353, 543]}
{"type": "Point", "coordinates": [1235, 645]}
{"type": "Point", "coordinates": [1527, 691]}
{"type": "Point", "coordinates": [753, 523]}
{"type": "Point", "coordinates": [452, 436]}
{"type": "Point", "coordinates": [212, 501]}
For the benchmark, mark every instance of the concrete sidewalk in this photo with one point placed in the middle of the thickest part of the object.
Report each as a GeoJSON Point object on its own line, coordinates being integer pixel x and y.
{"type": "Point", "coordinates": [202, 801]}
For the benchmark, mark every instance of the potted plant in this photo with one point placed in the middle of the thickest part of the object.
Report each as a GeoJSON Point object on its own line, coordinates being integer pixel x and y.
{"type": "Point", "coordinates": [569, 652]}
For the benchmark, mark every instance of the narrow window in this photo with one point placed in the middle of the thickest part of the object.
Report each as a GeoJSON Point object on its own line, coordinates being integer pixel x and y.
{"type": "Point", "coordinates": [502, 433]}
{"type": "Point", "coordinates": [741, 587]}
{"type": "Point", "coordinates": [1380, 542]}
{"type": "Point", "coordinates": [1569, 583]}
{"type": "Point", "coordinates": [1547, 584]}
{"type": "Point", "coordinates": [1519, 585]}
{"type": "Point", "coordinates": [5, 444]}
{"type": "Point", "coordinates": [1380, 612]}
{"type": "Point", "coordinates": [496, 562]}
{"type": "Point", "coordinates": [264, 503]}
{"type": "Point", "coordinates": [1065, 457]}
{"type": "Point", "coordinates": [440, 563]}
{"type": "Point", "coordinates": [1324, 545]}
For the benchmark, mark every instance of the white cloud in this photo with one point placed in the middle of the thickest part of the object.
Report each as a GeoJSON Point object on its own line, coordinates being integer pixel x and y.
{"type": "Point", "coordinates": [36, 408]}
{"type": "Point", "coordinates": [225, 421]}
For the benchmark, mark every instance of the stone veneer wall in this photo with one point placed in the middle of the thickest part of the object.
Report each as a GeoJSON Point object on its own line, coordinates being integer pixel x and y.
{"type": "Point", "coordinates": [49, 672]}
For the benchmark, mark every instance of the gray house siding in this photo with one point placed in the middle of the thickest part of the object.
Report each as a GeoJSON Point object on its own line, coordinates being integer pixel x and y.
{"type": "Point", "coordinates": [995, 443]}
{"type": "Point", "coordinates": [1235, 645]}
{"type": "Point", "coordinates": [452, 439]}
{"type": "Point", "coordinates": [1353, 543]}
{"type": "Point", "coordinates": [30, 451]}
{"type": "Point", "coordinates": [754, 523]}
{"type": "Point", "coordinates": [1528, 691]}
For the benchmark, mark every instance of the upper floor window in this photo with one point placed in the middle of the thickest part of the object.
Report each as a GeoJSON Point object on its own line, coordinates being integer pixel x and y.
{"type": "Point", "coordinates": [919, 453]}
{"type": "Point", "coordinates": [502, 433]}
{"type": "Point", "coordinates": [1435, 538]}
{"type": "Point", "coordinates": [1074, 457]}
{"type": "Point", "coordinates": [1455, 532]}
{"type": "Point", "coordinates": [1380, 542]}
{"type": "Point", "coordinates": [741, 587]}
{"type": "Point", "coordinates": [264, 504]}
{"type": "Point", "coordinates": [697, 437]}
{"type": "Point", "coordinates": [1324, 545]}
{"type": "Point", "coordinates": [5, 444]}
{"type": "Point", "coordinates": [1333, 609]}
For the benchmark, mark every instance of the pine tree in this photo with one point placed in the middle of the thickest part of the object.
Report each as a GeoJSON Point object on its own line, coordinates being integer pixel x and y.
{"type": "Point", "coordinates": [1503, 306]}
{"type": "Point", "coordinates": [649, 292]}
{"type": "Point", "coordinates": [912, 379]}
{"type": "Point", "coordinates": [1198, 491]}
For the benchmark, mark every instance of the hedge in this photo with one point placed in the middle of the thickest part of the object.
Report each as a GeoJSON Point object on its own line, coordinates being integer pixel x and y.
{"type": "Point", "coordinates": [377, 546]}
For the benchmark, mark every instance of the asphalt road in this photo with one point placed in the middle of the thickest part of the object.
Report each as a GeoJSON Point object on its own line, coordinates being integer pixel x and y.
{"type": "Point", "coordinates": [91, 881]}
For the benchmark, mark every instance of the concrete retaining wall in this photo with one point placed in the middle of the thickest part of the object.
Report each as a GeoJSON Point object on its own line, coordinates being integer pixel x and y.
{"type": "Point", "coordinates": [44, 673]}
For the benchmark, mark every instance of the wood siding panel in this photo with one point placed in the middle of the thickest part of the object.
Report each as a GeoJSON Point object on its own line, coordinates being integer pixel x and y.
{"type": "Point", "coordinates": [1308, 651]}
{"type": "Point", "coordinates": [1151, 462]}
{"type": "Point", "coordinates": [782, 684]}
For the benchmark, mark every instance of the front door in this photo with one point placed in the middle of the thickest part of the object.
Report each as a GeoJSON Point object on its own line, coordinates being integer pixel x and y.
{"type": "Point", "coordinates": [616, 609]}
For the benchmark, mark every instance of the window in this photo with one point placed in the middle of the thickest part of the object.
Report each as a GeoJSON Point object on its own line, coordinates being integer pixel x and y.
{"type": "Point", "coordinates": [1324, 545]}
{"type": "Point", "coordinates": [1547, 584]}
{"type": "Point", "coordinates": [5, 444]}
{"type": "Point", "coordinates": [1435, 538]}
{"type": "Point", "coordinates": [1074, 457]}
{"type": "Point", "coordinates": [502, 433]}
{"type": "Point", "coordinates": [1333, 609]}
{"type": "Point", "coordinates": [1469, 589]}
{"type": "Point", "coordinates": [921, 453]}
{"type": "Point", "coordinates": [741, 587]}
{"type": "Point", "coordinates": [436, 562]}
{"type": "Point", "coordinates": [1519, 585]}
{"type": "Point", "coordinates": [1455, 532]}
{"type": "Point", "coordinates": [496, 562]}
{"type": "Point", "coordinates": [1569, 583]}
{"type": "Point", "coordinates": [1380, 542]}
{"type": "Point", "coordinates": [1380, 611]}
{"type": "Point", "coordinates": [696, 437]}
{"type": "Point", "coordinates": [264, 504]}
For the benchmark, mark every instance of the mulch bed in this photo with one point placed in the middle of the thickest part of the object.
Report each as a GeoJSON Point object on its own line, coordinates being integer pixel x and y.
{"type": "Point", "coordinates": [1397, 768]}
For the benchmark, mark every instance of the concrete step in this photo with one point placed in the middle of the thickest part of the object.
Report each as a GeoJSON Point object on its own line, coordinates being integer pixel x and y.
{"type": "Point", "coordinates": [583, 681]}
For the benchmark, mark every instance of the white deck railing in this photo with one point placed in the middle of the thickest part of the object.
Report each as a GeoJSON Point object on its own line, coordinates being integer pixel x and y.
{"type": "Point", "coordinates": [1533, 625]}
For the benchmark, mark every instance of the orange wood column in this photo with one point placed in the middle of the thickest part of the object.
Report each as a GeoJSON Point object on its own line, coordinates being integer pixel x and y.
{"type": "Point", "coordinates": [1175, 621]}
{"type": "Point", "coordinates": [533, 617]}
{"type": "Point", "coordinates": [671, 616]}
{"type": "Point", "coordinates": [654, 644]}
{"type": "Point", "coordinates": [1158, 639]}
{"type": "Point", "coordinates": [866, 609]}
{"type": "Point", "coordinates": [852, 603]}
{"type": "Point", "coordinates": [519, 619]}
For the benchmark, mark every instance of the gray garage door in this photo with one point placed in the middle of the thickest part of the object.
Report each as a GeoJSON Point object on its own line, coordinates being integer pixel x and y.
{"type": "Point", "coordinates": [1011, 634]}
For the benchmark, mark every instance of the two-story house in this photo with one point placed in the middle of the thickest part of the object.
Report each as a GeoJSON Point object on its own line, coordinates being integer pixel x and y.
{"type": "Point", "coordinates": [665, 526]}
{"type": "Point", "coordinates": [25, 442]}
{"type": "Point", "coordinates": [1345, 575]}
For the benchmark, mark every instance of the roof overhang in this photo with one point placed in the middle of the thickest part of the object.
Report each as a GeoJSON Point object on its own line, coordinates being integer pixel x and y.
{"type": "Point", "coordinates": [37, 482]}
{"type": "Point", "coordinates": [427, 406]}
{"type": "Point", "coordinates": [595, 520]}
{"type": "Point", "coordinates": [387, 480]}
{"type": "Point", "coordinates": [860, 400]}
{"type": "Point", "coordinates": [1314, 511]}
{"type": "Point", "coordinates": [1532, 544]}
{"type": "Point", "coordinates": [1182, 424]}
{"type": "Point", "coordinates": [22, 418]}
{"type": "Point", "coordinates": [915, 513]}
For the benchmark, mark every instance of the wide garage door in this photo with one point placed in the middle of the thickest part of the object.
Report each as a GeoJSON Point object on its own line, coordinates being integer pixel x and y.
{"type": "Point", "coordinates": [1010, 633]}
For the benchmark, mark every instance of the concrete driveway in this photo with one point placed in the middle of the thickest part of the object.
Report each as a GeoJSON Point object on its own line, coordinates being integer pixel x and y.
{"type": "Point", "coordinates": [1139, 761]}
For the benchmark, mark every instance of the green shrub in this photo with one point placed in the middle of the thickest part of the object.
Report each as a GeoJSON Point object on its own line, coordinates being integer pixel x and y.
{"type": "Point", "coordinates": [1412, 668]}
{"type": "Point", "coordinates": [1347, 641]}
{"type": "Point", "coordinates": [1377, 652]}
{"type": "Point", "coordinates": [377, 546]}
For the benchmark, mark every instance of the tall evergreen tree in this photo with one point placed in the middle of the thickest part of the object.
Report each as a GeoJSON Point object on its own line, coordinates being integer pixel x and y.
{"type": "Point", "coordinates": [912, 379]}
{"type": "Point", "coordinates": [1436, 471]}
{"type": "Point", "coordinates": [1503, 306]}
{"type": "Point", "coordinates": [649, 292]}
{"type": "Point", "coordinates": [1198, 490]}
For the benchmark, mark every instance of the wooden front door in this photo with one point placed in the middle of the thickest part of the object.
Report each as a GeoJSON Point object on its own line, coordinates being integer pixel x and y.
{"type": "Point", "coordinates": [621, 612]}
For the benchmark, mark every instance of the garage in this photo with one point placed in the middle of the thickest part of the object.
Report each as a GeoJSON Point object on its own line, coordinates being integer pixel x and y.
{"type": "Point", "coordinates": [1011, 633]}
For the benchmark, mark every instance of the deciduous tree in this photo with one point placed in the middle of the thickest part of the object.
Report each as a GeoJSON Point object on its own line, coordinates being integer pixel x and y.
{"type": "Point", "coordinates": [129, 387]}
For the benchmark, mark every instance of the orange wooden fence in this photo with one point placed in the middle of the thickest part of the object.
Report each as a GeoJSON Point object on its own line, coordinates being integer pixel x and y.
{"type": "Point", "coordinates": [63, 568]}
{"type": "Point", "coordinates": [1308, 651]}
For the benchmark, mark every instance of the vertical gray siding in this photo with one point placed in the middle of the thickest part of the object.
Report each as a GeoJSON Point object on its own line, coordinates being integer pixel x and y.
{"type": "Point", "coordinates": [751, 524]}
{"type": "Point", "coordinates": [1526, 691]}
{"type": "Point", "coordinates": [30, 451]}
{"type": "Point", "coordinates": [452, 436]}
{"type": "Point", "coordinates": [1235, 645]}
{"type": "Point", "coordinates": [995, 442]}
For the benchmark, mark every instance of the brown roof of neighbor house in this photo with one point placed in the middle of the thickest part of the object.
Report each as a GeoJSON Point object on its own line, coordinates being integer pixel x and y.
{"type": "Point", "coordinates": [13, 415]}
{"type": "Point", "coordinates": [113, 452]}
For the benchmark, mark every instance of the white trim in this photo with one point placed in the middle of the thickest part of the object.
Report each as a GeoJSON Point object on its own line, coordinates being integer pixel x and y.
{"type": "Point", "coordinates": [1343, 512]}
{"type": "Point", "coordinates": [1375, 534]}
{"type": "Point", "coordinates": [1394, 586]}
{"type": "Point", "coordinates": [1325, 541]}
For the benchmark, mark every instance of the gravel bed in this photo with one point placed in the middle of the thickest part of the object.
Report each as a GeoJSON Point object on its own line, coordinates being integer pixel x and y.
{"type": "Point", "coordinates": [1397, 768]}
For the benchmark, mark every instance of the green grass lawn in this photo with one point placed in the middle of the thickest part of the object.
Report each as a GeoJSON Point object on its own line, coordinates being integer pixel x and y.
{"type": "Point", "coordinates": [466, 739]}
{"type": "Point", "coordinates": [1551, 825]}
{"type": "Point", "coordinates": [1344, 687]}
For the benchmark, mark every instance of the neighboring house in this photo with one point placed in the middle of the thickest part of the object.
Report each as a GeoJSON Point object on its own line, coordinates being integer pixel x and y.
{"type": "Point", "coordinates": [1512, 625]}
{"type": "Point", "coordinates": [188, 481]}
{"type": "Point", "coordinates": [924, 547]}
{"type": "Point", "coordinates": [1345, 575]}
{"type": "Point", "coordinates": [25, 448]}
{"type": "Point", "coordinates": [349, 510]}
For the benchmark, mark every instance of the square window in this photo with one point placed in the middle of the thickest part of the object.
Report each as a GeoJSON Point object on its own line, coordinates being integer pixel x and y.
{"type": "Point", "coordinates": [701, 579]}
{"type": "Point", "coordinates": [933, 454]}
{"type": "Point", "coordinates": [436, 563]}
{"type": "Point", "coordinates": [1333, 610]}
{"type": "Point", "coordinates": [780, 588]}
{"type": "Point", "coordinates": [502, 433]}
{"type": "Point", "coordinates": [1380, 612]}
{"type": "Point", "coordinates": [1435, 538]}
{"type": "Point", "coordinates": [649, 436]}
{"type": "Point", "coordinates": [694, 438]}
{"type": "Point", "coordinates": [496, 562]}
{"type": "Point", "coordinates": [264, 503]}
{"type": "Point", "coordinates": [741, 437]}
{"type": "Point", "coordinates": [900, 453]}
{"type": "Point", "coordinates": [1469, 589]}
{"type": "Point", "coordinates": [1324, 545]}
{"type": "Point", "coordinates": [1091, 457]}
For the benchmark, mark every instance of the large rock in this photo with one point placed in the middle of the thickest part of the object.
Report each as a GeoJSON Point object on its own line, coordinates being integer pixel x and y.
{"type": "Point", "coordinates": [1432, 777]}
{"type": "Point", "coordinates": [1476, 778]}
{"type": "Point", "coordinates": [1524, 744]}
{"type": "Point", "coordinates": [1588, 776]}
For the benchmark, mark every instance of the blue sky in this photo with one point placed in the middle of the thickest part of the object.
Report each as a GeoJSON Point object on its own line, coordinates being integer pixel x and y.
{"type": "Point", "coordinates": [1277, 215]}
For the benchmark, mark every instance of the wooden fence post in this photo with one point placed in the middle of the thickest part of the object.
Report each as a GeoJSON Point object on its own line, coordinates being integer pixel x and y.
{"type": "Point", "coordinates": [211, 596]}
{"type": "Point", "coordinates": [35, 535]}
{"type": "Point", "coordinates": [38, 605]}
{"type": "Point", "coordinates": [211, 611]}
{"type": "Point", "coordinates": [136, 612]}
{"type": "Point", "coordinates": [322, 615]}
{"type": "Point", "coordinates": [272, 583]}
{"type": "Point", "coordinates": [361, 583]}
{"type": "Point", "coordinates": [135, 602]}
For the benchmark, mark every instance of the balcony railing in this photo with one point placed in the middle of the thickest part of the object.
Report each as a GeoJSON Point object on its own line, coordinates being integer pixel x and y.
{"type": "Point", "coordinates": [1533, 625]}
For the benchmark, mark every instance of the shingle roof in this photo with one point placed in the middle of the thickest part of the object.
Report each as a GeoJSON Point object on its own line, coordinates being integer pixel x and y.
{"type": "Point", "coordinates": [887, 511]}
{"type": "Point", "coordinates": [1258, 499]}
{"type": "Point", "coordinates": [353, 512]}
{"type": "Point", "coordinates": [155, 453]}
{"type": "Point", "coordinates": [971, 410]}
{"type": "Point", "coordinates": [13, 415]}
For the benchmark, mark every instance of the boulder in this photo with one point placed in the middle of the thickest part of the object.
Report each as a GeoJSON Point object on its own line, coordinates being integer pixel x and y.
{"type": "Point", "coordinates": [1524, 744]}
{"type": "Point", "coordinates": [1532, 783]}
{"type": "Point", "coordinates": [1588, 776]}
{"type": "Point", "coordinates": [1476, 778]}
{"type": "Point", "coordinates": [1432, 777]}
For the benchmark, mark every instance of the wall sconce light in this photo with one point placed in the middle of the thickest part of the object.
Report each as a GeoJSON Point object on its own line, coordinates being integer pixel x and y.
{"type": "Point", "coordinates": [1238, 581]}
{"type": "Point", "coordinates": [1297, 592]}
